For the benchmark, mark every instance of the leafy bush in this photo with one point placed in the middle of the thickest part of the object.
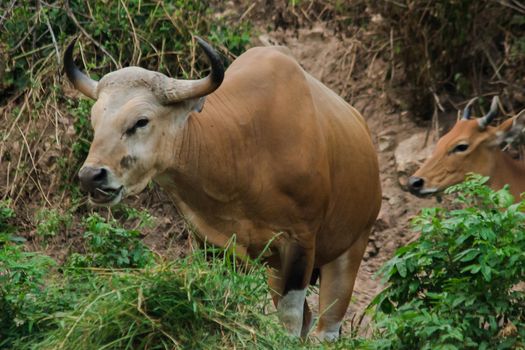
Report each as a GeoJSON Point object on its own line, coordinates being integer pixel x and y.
{"type": "Point", "coordinates": [22, 280]}
{"type": "Point", "coordinates": [155, 30]}
{"type": "Point", "coordinates": [51, 221]}
{"type": "Point", "coordinates": [6, 213]}
{"type": "Point", "coordinates": [108, 244]}
{"type": "Point", "coordinates": [454, 288]}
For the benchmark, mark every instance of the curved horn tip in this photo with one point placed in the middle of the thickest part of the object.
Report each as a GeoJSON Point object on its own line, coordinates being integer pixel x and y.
{"type": "Point", "coordinates": [81, 81]}
{"type": "Point", "coordinates": [217, 68]}
{"type": "Point", "coordinates": [68, 58]}
{"type": "Point", "coordinates": [487, 119]}
{"type": "Point", "coordinates": [494, 109]}
{"type": "Point", "coordinates": [467, 111]}
{"type": "Point", "coordinates": [494, 104]}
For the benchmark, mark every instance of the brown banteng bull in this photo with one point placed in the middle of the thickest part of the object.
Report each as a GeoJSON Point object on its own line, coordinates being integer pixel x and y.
{"type": "Point", "coordinates": [268, 151]}
{"type": "Point", "coordinates": [473, 146]}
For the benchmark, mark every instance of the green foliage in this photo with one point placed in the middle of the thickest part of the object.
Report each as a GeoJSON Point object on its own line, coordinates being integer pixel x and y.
{"type": "Point", "coordinates": [147, 33]}
{"type": "Point", "coordinates": [51, 221]}
{"type": "Point", "coordinates": [22, 280]}
{"type": "Point", "coordinates": [143, 218]}
{"type": "Point", "coordinates": [108, 245]}
{"type": "Point", "coordinates": [83, 130]}
{"type": "Point", "coordinates": [453, 288]}
{"type": "Point", "coordinates": [6, 213]}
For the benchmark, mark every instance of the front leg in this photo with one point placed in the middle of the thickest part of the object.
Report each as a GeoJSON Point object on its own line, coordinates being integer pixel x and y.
{"type": "Point", "coordinates": [297, 261]}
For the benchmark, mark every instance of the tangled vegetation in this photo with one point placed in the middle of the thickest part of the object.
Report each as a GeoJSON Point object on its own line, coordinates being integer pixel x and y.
{"type": "Point", "coordinates": [46, 130]}
{"type": "Point", "coordinates": [439, 53]}
{"type": "Point", "coordinates": [192, 303]}
{"type": "Point", "coordinates": [455, 49]}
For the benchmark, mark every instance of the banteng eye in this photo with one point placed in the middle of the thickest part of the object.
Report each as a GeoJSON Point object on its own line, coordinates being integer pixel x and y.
{"type": "Point", "coordinates": [462, 147]}
{"type": "Point", "coordinates": [139, 124]}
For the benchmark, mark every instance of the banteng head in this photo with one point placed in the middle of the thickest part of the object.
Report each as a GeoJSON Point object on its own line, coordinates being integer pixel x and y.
{"type": "Point", "coordinates": [471, 146]}
{"type": "Point", "coordinates": [136, 118]}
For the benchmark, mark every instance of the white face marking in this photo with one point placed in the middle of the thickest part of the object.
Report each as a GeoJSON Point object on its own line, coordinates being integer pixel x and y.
{"type": "Point", "coordinates": [290, 310]}
{"type": "Point", "coordinates": [428, 190]}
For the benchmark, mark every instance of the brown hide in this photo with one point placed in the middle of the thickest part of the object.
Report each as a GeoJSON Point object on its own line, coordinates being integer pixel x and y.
{"type": "Point", "coordinates": [265, 157]}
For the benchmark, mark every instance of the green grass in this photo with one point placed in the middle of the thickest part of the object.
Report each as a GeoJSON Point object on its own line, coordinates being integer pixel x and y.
{"type": "Point", "coordinates": [194, 303]}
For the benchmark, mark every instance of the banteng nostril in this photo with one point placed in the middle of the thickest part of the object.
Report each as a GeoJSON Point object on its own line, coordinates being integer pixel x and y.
{"type": "Point", "coordinates": [101, 175]}
{"type": "Point", "coordinates": [415, 183]}
{"type": "Point", "coordinates": [92, 178]}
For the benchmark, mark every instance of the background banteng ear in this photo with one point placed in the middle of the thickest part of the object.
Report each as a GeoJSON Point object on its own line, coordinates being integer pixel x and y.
{"type": "Point", "coordinates": [512, 131]}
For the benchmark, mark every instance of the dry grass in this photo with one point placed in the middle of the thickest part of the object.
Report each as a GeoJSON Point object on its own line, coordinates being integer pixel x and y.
{"type": "Point", "coordinates": [45, 130]}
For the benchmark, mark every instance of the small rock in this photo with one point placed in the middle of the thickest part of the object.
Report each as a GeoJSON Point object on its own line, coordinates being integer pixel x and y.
{"type": "Point", "coordinates": [386, 141]}
{"type": "Point", "coordinates": [411, 153]}
{"type": "Point", "coordinates": [316, 33]}
{"type": "Point", "coordinates": [394, 201]}
{"type": "Point", "coordinates": [390, 245]}
{"type": "Point", "coordinates": [383, 221]}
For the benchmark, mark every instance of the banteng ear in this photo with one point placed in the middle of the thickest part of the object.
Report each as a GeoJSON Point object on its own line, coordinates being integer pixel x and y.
{"type": "Point", "coordinates": [199, 104]}
{"type": "Point", "coordinates": [191, 105]}
{"type": "Point", "coordinates": [512, 131]}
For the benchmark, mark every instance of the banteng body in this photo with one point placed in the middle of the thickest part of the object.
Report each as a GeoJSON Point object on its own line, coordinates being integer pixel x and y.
{"type": "Point", "coordinates": [271, 155]}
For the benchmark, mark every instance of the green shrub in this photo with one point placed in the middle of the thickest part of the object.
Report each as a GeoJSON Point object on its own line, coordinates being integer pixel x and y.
{"type": "Point", "coordinates": [108, 245]}
{"type": "Point", "coordinates": [454, 288]}
{"type": "Point", "coordinates": [153, 36]}
{"type": "Point", "coordinates": [141, 218]}
{"type": "Point", "coordinates": [51, 221]}
{"type": "Point", "coordinates": [6, 213]}
{"type": "Point", "coordinates": [22, 284]}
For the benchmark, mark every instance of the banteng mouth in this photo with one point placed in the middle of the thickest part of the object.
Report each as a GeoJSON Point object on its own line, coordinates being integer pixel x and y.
{"type": "Point", "coordinates": [106, 196]}
{"type": "Point", "coordinates": [424, 192]}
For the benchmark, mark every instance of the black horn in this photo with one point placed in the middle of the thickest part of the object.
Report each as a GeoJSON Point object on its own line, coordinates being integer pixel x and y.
{"type": "Point", "coordinates": [468, 108]}
{"type": "Point", "coordinates": [487, 118]}
{"type": "Point", "coordinates": [175, 90]}
{"type": "Point", "coordinates": [81, 81]}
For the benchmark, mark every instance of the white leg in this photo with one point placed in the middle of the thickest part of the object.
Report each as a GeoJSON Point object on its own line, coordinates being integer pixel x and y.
{"type": "Point", "coordinates": [329, 333]}
{"type": "Point", "coordinates": [290, 311]}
